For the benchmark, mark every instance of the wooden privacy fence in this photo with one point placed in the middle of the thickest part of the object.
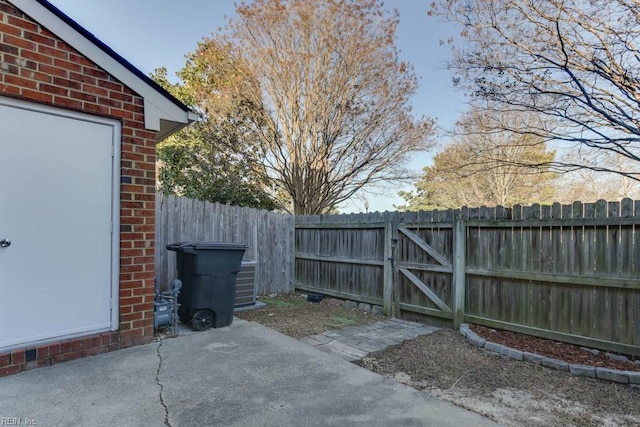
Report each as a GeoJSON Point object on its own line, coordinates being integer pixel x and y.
{"type": "Point", "coordinates": [565, 272]}
{"type": "Point", "coordinates": [268, 235]}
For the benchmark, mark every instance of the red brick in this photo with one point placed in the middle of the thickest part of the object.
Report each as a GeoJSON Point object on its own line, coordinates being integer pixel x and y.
{"type": "Point", "coordinates": [97, 109]}
{"type": "Point", "coordinates": [94, 89]}
{"type": "Point", "coordinates": [56, 53]}
{"type": "Point", "coordinates": [82, 96]}
{"type": "Point", "coordinates": [43, 351]}
{"type": "Point", "coordinates": [34, 75]}
{"type": "Point", "coordinates": [150, 197]}
{"type": "Point", "coordinates": [19, 81]}
{"type": "Point", "coordinates": [54, 349]}
{"type": "Point", "coordinates": [79, 59]}
{"type": "Point", "coordinates": [10, 29]}
{"type": "Point", "coordinates": [5, 360]}
{"type": "Point", "coordinates": [19, 42]}
{"type": "Point", "coordinates": [76, 345]}
{"type": "Point", "coordinates": [37, 96]}
{"type": "Point", "coordinates": [105, 339]}
{"type": "Point", "coordinates": [120, 96]}
{"type": "Point", "coordinates": [132, 253]}
{"type": "Point", "coordinates": [125, 310]}
{"type": "Point", "coordinates": [131, 317]}
{"type": "Point", "coordinates": [133, 156]}
{"type": "Point", "coordinates": [144, 291]}
{"type": "Point", "coordinates": [59, 81]}
{"type": "Point", "coordinates": [67, 65]}
{"type": "Point", "coordinates": [17, 357]}
{"type": "Point", "coordinates": [67, 356]}
{"type": "Point", "coordinates": [39, 38]}
{"type": "Point", "coordinates": [93, 351]}
{"type": "Point", "coordinates": [9, 49]}
{"type": "Point", "coordinates": [132, 205]}
{"type": "Point", "coordinates": [11, 69]}
{"type": "Point", "coordinates": [47, 361]}
{"type": "Point", "coordinates": [63, 46]}
{"type": "Point", "coordinates": [131, 300]}
{"type": "Point", "coordinates": [143, 275]}
{"type": "Point", "coordinates": [65, 347]}
{"type": "Point", "coordinates": [54, 89]}
{"type": "Point", "coordinates": [14, 369]}
{"type": "Point", "coordinates": [132, 268]}
{"type": "Point", "coordinates": [36, 57]}
{"type": "Point", "coordinates": [79, 77]}
{"type": "Point", "coordinates": [132, 221]}
{"type": "Point", "coordinates": [9, 9]}
{"type": "Point", "coordinates": [144, 260]}
{"type": "Point", "coordinates": [54, 71]}
{"type": "Point", "coordinates": [22, 23]}
{"type": "Point", "coordinates": [19, 61]}
{"type": "Point", "coordinates": [140, 244]}
{"type": "Point", "coordinates": [91, 71]}
{"type": "Point", "coordinates": [129, 334]}
{"type": "Point", "coordinates": [144, 339]}
{"type": "Point", "coordinates": [47, 33]}
{"type": "Point", "coordinates": [69, 103]}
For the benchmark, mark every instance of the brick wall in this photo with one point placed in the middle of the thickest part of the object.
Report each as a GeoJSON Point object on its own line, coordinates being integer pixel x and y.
{"type": "Point", "coordinates": [37, 66]}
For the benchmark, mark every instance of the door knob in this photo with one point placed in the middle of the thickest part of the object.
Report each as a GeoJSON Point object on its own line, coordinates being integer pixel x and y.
{"type": "Point", "coordinates": [4, 243]}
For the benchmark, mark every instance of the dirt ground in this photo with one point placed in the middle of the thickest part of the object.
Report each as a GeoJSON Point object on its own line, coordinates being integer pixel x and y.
{"type": "Point", "coordinates": [444, 365]}
{"type": "Point", "coordinates": [292, 315]}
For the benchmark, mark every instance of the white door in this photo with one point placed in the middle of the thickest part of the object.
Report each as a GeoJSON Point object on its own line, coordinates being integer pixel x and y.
{"type": "Point", "coordinates": [57, 209]}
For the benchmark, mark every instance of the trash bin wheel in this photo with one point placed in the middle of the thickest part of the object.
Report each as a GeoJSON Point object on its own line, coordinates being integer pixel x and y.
{"type": "Point", "coordinates": [202, 320]}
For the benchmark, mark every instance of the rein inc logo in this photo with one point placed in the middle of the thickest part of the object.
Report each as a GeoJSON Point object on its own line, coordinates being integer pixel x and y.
{"type": "Point", "coordinates": [17, 421]}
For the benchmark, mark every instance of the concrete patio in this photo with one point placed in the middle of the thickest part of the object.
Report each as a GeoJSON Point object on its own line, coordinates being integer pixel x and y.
{"type": "Point", "coordinates": [241, 375]}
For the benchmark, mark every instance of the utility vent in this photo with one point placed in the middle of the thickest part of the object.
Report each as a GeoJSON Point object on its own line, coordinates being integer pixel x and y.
{"type": "Point", "coordinates": [246, 284]}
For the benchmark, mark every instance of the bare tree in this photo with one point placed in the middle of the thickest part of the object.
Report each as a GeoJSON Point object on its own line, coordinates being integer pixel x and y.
{"type": "Point", "coordinates": [329, 97]}
{"type": "Point", "coordinates": [485, 167]}
{"type": "Point", "coordinates": [589, 186]}
{"type": "Point", "coordinates": [573, 62]}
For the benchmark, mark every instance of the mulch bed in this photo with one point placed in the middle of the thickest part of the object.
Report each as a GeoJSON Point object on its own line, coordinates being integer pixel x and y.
{"type": "Point", "coordinates": [567, 352]}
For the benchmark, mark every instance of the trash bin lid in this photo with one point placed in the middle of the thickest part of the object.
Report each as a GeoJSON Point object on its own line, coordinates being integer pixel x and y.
{"type": "Point", "coordinates": [206, 246]}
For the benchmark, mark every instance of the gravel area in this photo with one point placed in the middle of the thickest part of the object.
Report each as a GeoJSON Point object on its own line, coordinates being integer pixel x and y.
{"type": "Point", "coordinates": [445, 365]}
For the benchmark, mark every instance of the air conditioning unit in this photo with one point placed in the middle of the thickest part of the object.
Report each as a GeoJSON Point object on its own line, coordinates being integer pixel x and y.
{"type": "Point", "coordinates": [246, 284]}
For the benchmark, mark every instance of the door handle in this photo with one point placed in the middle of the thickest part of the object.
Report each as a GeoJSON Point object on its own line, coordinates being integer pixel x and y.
{"type": "Point", "coordinates": [4, 243]}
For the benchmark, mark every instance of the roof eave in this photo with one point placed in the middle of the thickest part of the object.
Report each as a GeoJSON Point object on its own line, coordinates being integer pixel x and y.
{"type": "Point", "coordinates": [164, 114]}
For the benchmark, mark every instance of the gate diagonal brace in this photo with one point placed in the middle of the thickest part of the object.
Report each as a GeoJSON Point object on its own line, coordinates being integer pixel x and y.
{"type": "Point", "coordinates": [425, 290]}
{"type": "Point", "coordinates": [428, 249]}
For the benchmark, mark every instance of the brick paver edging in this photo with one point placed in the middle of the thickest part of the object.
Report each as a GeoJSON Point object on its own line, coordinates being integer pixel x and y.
{"type": "Point", "coordinates": [623, 377]}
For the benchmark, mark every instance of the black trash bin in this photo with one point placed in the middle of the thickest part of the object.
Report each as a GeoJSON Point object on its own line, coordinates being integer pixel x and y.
{"type": "Point", "coordinates": [208, 273]}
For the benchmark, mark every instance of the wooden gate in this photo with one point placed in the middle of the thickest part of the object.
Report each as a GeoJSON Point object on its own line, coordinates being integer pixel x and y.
{"type": "Point", "coordinates": [424, 257]}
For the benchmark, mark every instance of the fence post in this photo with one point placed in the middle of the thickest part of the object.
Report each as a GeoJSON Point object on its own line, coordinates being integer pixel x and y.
{"type": "Point", "coordinates": [459, 251]}
{"type": "Point", "coordinates": [387, 292]}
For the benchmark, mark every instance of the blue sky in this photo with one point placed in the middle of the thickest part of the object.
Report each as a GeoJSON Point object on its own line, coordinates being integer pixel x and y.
{"type": "Point", "coordinates": [156, 33]}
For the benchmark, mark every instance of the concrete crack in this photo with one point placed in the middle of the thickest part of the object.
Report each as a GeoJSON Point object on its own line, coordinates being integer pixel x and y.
{"type": "Point", "coordinates": [161, 386]}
